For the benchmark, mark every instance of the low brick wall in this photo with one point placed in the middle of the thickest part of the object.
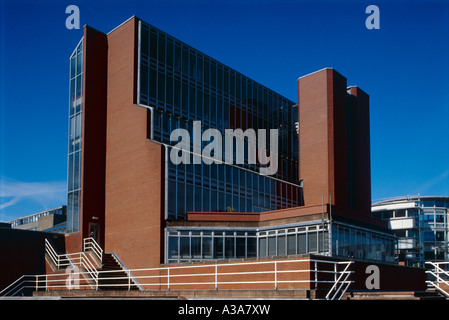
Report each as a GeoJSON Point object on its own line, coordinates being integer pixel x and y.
{"type": "Point", "coordinates": [291, 273]}
{"type": "Point", "coordinates": [268, 274]}
{"type": "Point", "coordinates": [306, 274]}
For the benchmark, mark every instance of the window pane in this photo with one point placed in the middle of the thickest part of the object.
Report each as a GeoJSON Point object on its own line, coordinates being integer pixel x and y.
{"type": "Point", "coordinates": [281, 245]}
{"type": "Point", "coordinates": [240, 247]}
{"type": "Point", "coordinates": [291, 244]}
{"type": "Point", "coordinates": [271, 246]}
{"type": "Point", "coordinates": [173, 247]}
{"type": "Point", "coordinates": [312, 237]}
{"type": "Point", "coordinates": [251, 247]}
{"type": "Point", "coordinates": [185, 248]}
{"type": "Point", "coordinates": [207, 247]}
{"type": "Point", "coordinates": [302, 242]}
{"type": "Point", "coordinates": [324, 241]}
{"type": "Point", "coordinates": [196, 247]}
{"type": "Point", "coordinates": [218, 247]}
{"type": "Point", "coordinates": [262, 247]}
{"type": "Point", "coordinates": [229, 248]}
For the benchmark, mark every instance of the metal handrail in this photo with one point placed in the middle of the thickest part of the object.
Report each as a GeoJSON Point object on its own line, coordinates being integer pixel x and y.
{"type": "Point", "coordinates": [74, 259]}
{"type": "Point", "coordinates": [91, 244]}
{"type": "Point", "coordinates": [438, 271]}
{"type": "Point", "coordinates": [13, 285]}
{"type": "Point", "coordinates": [338, 282]}
{"type": "Point", "coordinates": [165, 276]}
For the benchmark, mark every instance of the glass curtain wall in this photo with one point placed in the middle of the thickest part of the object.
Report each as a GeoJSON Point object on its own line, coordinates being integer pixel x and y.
{"type": "Point", "coordinates": [348, 241]}
{"type": "Point", "coordinates": [75, 129]}
{"type": "Point", "coordinates": [197, 245]}
{"type": "Point", "coordinates": [184, 85]}
{"type": "Point", "coordinates": [434, 228]}
{"type": "Point", "coordinates": [220, 187]}
{"type": "Point", "coordinates": [353, 242]}
{"type": "Point", "coordinates": [427, 238]}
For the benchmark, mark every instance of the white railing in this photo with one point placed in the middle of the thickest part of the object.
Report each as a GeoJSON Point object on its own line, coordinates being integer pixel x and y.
{"type": "Point", "coordinates": [78, 260]}
{"type": "Point", "coordinates": [439, 278]}
{"type": "Point", "coordinates": [89, 244]}
{"type": "Point", "coordinates": [165, 277]}
{"type": "Point", "coordinates": [259, 275]}
{"type": "Point", "coordinates": [341, 283]}
{"type": "Point", "coordinates": [24, 282]}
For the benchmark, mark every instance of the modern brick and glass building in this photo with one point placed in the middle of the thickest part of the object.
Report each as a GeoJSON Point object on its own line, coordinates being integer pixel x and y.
{"type": "Point", "coordinates": [132, 87]}
{"type": "Point", "coordinates": [52, 220]}
{"type": "Point", "coordinates": [421, 225]}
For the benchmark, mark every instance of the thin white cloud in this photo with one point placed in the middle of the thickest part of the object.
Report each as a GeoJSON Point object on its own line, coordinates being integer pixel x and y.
{"type": "Point", "coordinates": [432, 182]}
{"type": "Point", "coordinates": [9, 203]}
{"type": "Point", "coordinates": [12, 192]}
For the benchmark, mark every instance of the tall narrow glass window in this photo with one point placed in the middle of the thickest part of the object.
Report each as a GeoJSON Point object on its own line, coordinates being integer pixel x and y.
{"type": "Point", "coordinates": [75, 130]}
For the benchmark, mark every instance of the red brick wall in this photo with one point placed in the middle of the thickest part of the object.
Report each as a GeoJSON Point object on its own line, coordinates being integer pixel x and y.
{"type": "Point", "coordinates": [360, 140]}
{"type": "Point", "coordinates": [94, 132]}
{"type": "Point", "coordinates": [334, 142]}
{"type": "Point", "coordinates": [258, 275]}
{"type": "Point", "coordinates": [293, 273]}
{"type": "Point", "coordinates": [313, 137]}
{"type": "Point", "coordinates": [73, 242]}
{"type": "Point", "coordinates": [133, 163]}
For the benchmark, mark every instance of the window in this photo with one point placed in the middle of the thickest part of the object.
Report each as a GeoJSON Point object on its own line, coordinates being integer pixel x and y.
{"type": "Point", "coordinates": [218, 247]}
{"type": "Point", "coordinates": [302, 243]}
{"type": "Point", "coordinates": [229, 247]}
{"type": "Point", "coordinates": [196, 247]}
{"type": "Point", "coordinates": [240, 247]}
{"type": "Point", "coordinates": [263, 247]}
{"type": "Point", "coordinates": [207, 247]}
{"type": "Point", "coordinates": [312, 241]}
{"type": "Point", "coordinates": [185, 247]}
{"type": "Point", "coordinates": [281, 243]}
{"type": "Point", "coordinates": [291, 243]}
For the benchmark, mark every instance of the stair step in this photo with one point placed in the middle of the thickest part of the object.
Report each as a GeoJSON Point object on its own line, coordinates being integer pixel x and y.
{"type": "Point", "coordinates": [114, 270]}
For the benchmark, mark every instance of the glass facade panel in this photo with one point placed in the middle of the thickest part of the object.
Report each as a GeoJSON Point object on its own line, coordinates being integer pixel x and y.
{"type": "Point", "coordinates": [218, 244]}
{"type": "Point", "coordinates": [354, 242]}
{"type": "Point", "coordinates": [75, 148]}
{"type": "Point", "coordinates": [209, 189]}
{"type": "Point", "coordinates": [424, 233]}
{"type": "Point", "coordinates": [195, 87]}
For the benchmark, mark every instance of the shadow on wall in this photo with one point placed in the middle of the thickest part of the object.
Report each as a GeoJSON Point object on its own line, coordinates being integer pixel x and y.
{"type": "Point", "coordinates": [22, 252]}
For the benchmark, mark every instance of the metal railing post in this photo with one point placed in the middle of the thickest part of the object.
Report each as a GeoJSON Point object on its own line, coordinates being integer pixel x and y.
{"type": "Point", "coordinates": [216, 277]}
{"type": "Point", "coordinates": [168, 278]}
{"type": "Point", "coordinates": [313, 272]}
{"type": "Point", "coordinates": [275, 275]}
{"type": "Point", "coordinates": [335, 272]}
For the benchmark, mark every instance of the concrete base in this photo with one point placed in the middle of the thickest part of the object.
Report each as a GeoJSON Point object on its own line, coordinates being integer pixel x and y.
{"type": "Point", "coordinates": [183, 294]}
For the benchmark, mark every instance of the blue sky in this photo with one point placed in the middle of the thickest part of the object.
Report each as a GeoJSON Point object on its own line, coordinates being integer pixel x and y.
{"type": "Point", "coordinates": [404, 66]}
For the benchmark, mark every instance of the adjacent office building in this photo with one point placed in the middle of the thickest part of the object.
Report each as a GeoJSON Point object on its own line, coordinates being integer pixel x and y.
{"type": "Point", "coordinates": [52, 220]}
{"type": "Point", "coordinates": [421, 225]}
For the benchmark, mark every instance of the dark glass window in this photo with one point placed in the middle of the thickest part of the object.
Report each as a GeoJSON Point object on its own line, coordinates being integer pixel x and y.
{"type": "Point", "coordinates": [218, 247]}
{"type": "Point", "coordinates": [153, 44]}
{"type": "Point", "coordinates": [183, 85]}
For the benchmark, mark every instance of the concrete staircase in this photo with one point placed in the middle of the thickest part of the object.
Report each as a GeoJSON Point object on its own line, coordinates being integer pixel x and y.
{"type": "Point", "coordinates": [113, 277]}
